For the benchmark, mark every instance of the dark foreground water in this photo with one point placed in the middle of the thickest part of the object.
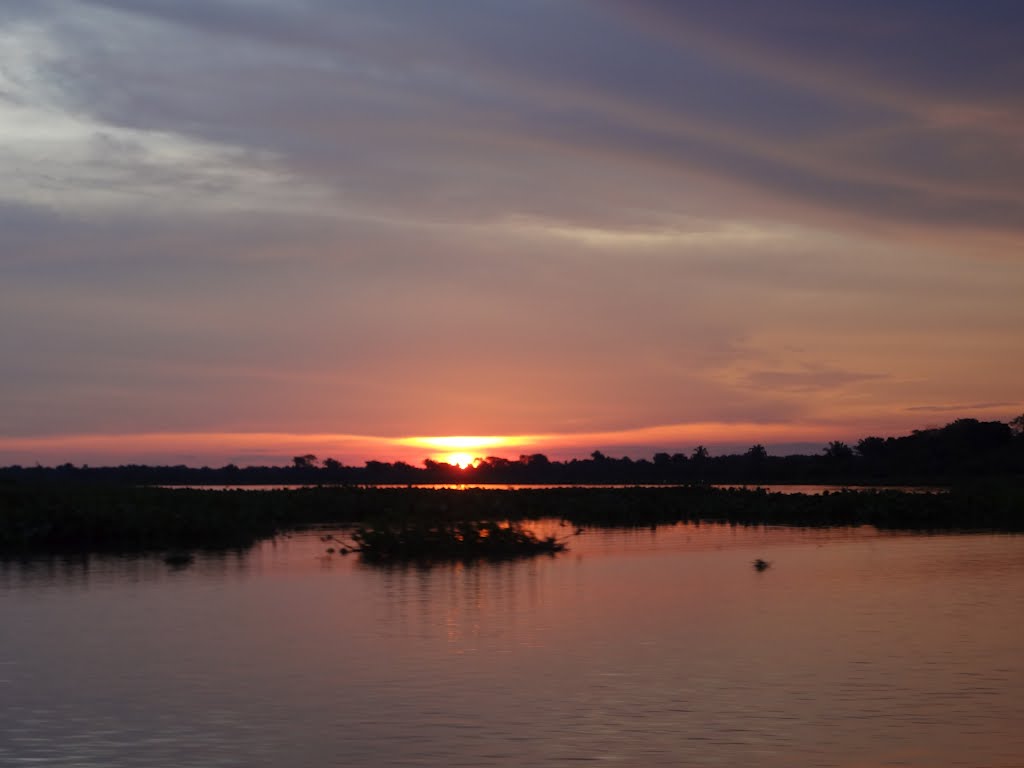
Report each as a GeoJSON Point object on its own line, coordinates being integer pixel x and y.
{"type": "Point", "coordinates": [634, 649]}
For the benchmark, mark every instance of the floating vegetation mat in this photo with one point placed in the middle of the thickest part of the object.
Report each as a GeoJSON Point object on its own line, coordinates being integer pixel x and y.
{"type": "Point", "coordinates": [465, 541]}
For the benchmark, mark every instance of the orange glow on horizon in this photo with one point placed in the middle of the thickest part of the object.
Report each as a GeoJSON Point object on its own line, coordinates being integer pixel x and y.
{"type": "Point", "coordinates": [468, 449]}
{"type": "Point", "coordinates": [276, 448]}
{"type": "Point", "coordinates": [460, 460]}
{"type": "Point", "coordinates": [256, 448]}
{"type": "Point", "coordinates": [464, 442]}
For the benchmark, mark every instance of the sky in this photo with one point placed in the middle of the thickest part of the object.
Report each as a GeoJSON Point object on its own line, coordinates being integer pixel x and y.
{"type": "Point", "coordinates": [238, 230]}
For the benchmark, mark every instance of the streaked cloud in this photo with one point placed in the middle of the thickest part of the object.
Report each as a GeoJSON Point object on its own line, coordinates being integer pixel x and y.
{"type": "Point", "coordinates": [62, 158]}
{"type": "Point", "coordinates": [966, 408]}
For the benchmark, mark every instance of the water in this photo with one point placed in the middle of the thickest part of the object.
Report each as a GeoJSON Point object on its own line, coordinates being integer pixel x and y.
{"type": "Point", "coordinates": [805, 488]}
{"type": "Point", "coordinates": [636, 648]}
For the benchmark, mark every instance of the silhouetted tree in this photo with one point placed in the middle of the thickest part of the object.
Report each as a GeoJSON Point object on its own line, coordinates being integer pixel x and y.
{"type": "Point", "coordinates": [837, 450]}
{"type": "Point", "coordinates": [870, 447]}
{"type": "Point", "coordinates": [308, 461]}
{"type": "Point", "coordinates": [699, 459]}
{"type": "Point", "coordinates": [535, 461]}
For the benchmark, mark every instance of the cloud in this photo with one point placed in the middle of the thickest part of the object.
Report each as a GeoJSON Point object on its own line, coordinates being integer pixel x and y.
{"type": "Point", "coordinates": [916, 51]}
{"type": "Point", "coordinates": [807, 381]}
{"type": "Point", "coordinates": [61, 158]}
{"type": "Point", "coordinates": [454, 112]}
{"type": "Point", "coordinates": [962, 408]}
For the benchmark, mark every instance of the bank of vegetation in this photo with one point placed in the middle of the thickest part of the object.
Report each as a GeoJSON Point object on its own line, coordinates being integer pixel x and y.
{"type": "Point", "coordinates": [43, 518]}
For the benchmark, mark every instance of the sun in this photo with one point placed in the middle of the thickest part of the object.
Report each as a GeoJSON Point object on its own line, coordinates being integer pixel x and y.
{"type": "Point", "coordinates": [460, 460]}
{"type": "Point", "coordinates": [461, 450]}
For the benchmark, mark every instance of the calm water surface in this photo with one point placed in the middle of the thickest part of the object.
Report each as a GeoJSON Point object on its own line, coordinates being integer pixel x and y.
{"type": "Point", "coordinates": [635, 648]}
{"type": "Point", "coordinates": [805, 488]}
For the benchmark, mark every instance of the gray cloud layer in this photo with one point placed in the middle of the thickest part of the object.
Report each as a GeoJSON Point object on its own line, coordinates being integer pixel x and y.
{"type": "Point", "coordinates": [911, 115]}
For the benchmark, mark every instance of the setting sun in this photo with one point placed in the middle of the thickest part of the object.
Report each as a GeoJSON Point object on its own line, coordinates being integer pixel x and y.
{"type": "Point", "coordinates": [460, 460]}
{"type": "Point", "coordinates": [463, 442]}
{"type": "Point", "coordinates": [462, 450]}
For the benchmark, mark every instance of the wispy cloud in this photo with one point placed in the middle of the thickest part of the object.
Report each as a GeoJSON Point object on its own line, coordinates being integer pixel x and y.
{"type": "Point", "coordinates": [964, 408]}
{"type": "Point", "coordinates": [807, 380]}
{"type": "Point", "coordinates": [376, 98]}
{"type": "Point", "coordinates": [60, 157]}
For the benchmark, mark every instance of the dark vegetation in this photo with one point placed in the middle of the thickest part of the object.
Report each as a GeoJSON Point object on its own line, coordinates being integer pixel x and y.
{"type": "Point", "coordinates": [66, 519]}
{"type": "Point", "coordinates": [440, 541]}
{"type": "Point", "coordinates": [75, 510]}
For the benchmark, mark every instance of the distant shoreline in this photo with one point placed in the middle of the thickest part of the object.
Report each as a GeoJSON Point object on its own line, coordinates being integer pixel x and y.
{"type": "Point", "coordinates": [964, 449]}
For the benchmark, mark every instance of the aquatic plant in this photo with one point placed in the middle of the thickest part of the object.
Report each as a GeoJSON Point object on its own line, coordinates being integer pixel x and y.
{"type": "Point", "coordinates": [464, 541]}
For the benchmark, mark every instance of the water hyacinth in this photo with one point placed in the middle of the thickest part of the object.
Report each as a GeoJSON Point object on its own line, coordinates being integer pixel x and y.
{"type": "Point", "coordinates": [453, 541]}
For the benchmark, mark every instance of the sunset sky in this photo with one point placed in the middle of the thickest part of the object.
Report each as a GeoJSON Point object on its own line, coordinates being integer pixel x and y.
{"type": "Point", "coordinates": [237, 230]}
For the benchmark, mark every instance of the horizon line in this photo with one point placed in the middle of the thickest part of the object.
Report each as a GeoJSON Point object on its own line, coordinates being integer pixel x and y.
{"type": "Point", "coordinates": [261, 446]}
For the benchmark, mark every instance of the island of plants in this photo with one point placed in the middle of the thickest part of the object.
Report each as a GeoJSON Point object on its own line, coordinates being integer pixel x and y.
{"type": "Point", "coordinates": [464, 541]}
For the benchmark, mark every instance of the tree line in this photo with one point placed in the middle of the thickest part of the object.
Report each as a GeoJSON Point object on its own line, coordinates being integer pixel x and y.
{"type": "Point", "coordinates": [962, 449]}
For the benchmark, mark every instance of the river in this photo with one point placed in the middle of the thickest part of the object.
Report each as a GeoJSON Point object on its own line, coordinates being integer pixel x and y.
{"type": "Point", "coordinates": [634, 648]}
